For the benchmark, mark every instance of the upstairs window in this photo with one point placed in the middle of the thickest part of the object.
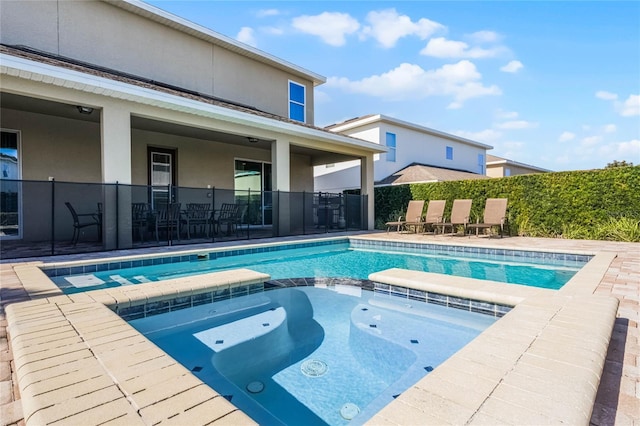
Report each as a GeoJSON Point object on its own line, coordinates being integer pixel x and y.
{"type": "Point", "coordinates": [296, 101]}
{"type": "Point", "coordinates": [449, 153]}
{"type": "Point", "coordinates": [481, 164]}
{"type": "Point", "coordinates": [391, 144]}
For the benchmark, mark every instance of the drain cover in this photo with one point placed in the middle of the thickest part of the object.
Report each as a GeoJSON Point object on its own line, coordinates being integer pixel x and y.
{"type": "Point", "coordinates": [349, 411]}
{"type": "Point", "coordinates": [313, 368]}
{"type": "Point", "coordinates": [255, 387]}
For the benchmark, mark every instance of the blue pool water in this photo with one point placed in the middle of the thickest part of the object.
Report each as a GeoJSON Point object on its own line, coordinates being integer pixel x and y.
{"type": "Point", "coordinates": [309, 355]}
{"type": "Point", "coordinates": [337, 260]}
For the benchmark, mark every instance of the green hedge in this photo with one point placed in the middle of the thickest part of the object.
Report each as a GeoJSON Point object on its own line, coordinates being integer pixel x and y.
{"type": "Point", "coordinates": [595, 204]}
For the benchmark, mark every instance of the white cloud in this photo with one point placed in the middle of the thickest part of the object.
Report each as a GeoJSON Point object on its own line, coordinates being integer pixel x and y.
{"type": "Point", "coordinates": [272, 30]}
{"type": "Point", "coordinates": [267, 12]}
{"type": "Point", "coordinates": [247, 36]}
{"type": "Point", "coordinates": [331, 27]}
{"type": "Point", "coordinates": [387, 27]}
{"type": "Point", "coordinates": [566, 137]}
{"type": "Point", "coordinates": [610, 128]}
{"type": "Point", "coordinates": [321, 97]}
{"type": "Point", "coordinates": [630, 107]}
{"type": "Point", "coordinates": [516, 124]}
{"type": "Point", "coordinates": [627, 150]}
{"type": "Point", "coordinates": [486, 136]}
{"type": "Point", "coordinates": [410, 81]}
{"type": "Point", "coordinates": [607, 96]}
{"type": "Point", "coordinates": [440, 47]}
{"type": "Point", "coordinates": [591, 141]}
{"type": "Point", "coordinates": [506, 115]}
{"type": "Point", "coordinates": [484, 37]}
{"type": "Point", "coordinates": [513, 66]}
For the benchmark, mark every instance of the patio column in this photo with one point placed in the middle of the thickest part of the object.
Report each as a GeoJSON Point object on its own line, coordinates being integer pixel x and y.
{"type": "Point", "coordinates": [366, 188]}
{"type": "Point", "coordinates": [115, 128]}
{"type": "Point", "coordinates": [281, 181]}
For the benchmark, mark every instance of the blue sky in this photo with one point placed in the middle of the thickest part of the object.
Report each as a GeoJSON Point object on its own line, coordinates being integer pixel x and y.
{"type": "Point", "coordinates": [552, 84]}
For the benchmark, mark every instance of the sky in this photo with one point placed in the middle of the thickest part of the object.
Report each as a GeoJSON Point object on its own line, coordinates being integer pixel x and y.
{"type": "Point", "coordinates": [552, 84]}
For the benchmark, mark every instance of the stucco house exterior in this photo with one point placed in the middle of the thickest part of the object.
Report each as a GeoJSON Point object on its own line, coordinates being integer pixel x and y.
{"type": "Point", "coordinates": [413, 150]}
{"type": "Point", "coordinates": [503, 167]}
{"type": "Point", "coordinates": [121, 91]}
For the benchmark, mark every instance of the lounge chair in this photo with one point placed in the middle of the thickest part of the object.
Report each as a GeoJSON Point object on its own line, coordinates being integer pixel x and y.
{"type": "Point", "coordinates": [434, 215]}
{"type": "Point", "coordinates": [460, 212]}
{"type": "Point", "coordinates": [413, 214]}
{"type": "Point", "coordinates": [495, 212]}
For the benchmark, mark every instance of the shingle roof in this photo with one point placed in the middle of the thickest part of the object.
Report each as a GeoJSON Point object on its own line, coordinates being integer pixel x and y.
{"type": "Point", "coordinates": [111, 74]}
{"type": "Point", "coordinates": [415, 173]}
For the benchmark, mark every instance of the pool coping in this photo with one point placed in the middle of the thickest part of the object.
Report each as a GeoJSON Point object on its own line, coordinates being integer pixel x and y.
{"type": "Point", "coordinates": [537, 325]}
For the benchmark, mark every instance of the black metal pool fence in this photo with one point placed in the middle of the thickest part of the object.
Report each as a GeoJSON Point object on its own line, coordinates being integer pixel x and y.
{"type": "Point", "coordinates": [40, 218]}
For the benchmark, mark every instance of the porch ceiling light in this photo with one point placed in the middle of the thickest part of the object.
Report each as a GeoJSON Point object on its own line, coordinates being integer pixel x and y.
{"type": "Point", "coordinates": [253, 140]}
{"type": "Point", "coordinates": [84, 109]}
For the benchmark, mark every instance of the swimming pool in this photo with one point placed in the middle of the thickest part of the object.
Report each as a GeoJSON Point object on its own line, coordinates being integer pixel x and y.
{"type": "Point", "coordinates": [312, 355]}
{"type": "Point", "coordinates": [338, 258]}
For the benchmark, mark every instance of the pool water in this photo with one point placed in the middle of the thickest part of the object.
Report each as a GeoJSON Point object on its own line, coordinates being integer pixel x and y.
{"type": "Point", "coordinates": [335, 261]}
{"type": "Point", "coordinates": [312, 355]}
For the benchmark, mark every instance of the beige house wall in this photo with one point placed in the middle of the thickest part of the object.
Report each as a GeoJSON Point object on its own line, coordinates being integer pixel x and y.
{"type": "Point", "coordinates": [99, 33]}
{"type": "Point", "coordinates": [499, 170]}
{"type": "Point", "coordinates": [62, 148]}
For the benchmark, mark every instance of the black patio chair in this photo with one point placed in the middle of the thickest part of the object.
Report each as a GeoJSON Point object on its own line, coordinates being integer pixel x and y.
{"type": "Point", "coordinates": [83, 220]}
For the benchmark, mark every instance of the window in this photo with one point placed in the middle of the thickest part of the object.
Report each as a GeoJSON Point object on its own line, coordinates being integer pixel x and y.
{"type": "Point", "coordinates": [11, 187]}
{"type": "Point", "coordinates": [449, 153]}
{"type": "Point", "coordinates": [507, 172]}
{"type": "Point", "coordinates": [481, 164]}
{"type": "Point", "coordinates": [391, 144]}
{"type": "Point", "coordinates": [296, 101]}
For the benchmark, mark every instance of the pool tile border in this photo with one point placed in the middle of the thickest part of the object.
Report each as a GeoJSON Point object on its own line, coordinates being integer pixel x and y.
{"type": "Point", "coordinates": [76, 268]}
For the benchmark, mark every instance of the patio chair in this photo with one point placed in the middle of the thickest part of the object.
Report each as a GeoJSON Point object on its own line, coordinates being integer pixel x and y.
{"type": "Point", "coordinates": [167, 218]}
{"type": "Point", "coordinates": [197, 216]}
{"type": "Point", "coordinates": [229, 215]}
{"type": "Point", "coordinates": [413, 215]}
{"type": "Point", "coordinates": [83, 220]}
{"type": "Point", "coordinates": [140, 218]}
{"type": "Point", "coordinates": [434, 215]}
{"type": "Point", "coordinates": [460, 212]}
{"type": "Point", "coordinates": [495, 212]}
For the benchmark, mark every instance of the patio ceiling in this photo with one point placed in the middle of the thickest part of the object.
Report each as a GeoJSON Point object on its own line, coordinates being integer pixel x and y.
{"type": "Point", "coordinates": [68, 111]}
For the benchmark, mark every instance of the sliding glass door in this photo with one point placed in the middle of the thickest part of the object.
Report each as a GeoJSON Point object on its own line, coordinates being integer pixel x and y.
{"type": "Point", "coordinates": [252, 185]}
{"type": "Point", "coordinates": [10, 188]}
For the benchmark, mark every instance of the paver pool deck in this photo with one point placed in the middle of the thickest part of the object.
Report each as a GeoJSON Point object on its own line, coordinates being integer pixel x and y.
{"type": "Point", "coordinates": [506, 393]}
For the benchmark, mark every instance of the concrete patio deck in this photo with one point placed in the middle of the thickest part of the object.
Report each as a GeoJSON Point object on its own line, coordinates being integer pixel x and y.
{"type": "Point", "coordinates": [618, 393]}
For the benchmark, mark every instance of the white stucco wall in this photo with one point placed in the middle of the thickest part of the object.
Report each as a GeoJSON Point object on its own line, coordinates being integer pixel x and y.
{"type": "Point", "coordinates": [412, 146]}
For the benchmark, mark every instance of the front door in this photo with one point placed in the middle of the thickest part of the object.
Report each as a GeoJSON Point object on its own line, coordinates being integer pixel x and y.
{"type": "Point", "coordinates": [162, 176]}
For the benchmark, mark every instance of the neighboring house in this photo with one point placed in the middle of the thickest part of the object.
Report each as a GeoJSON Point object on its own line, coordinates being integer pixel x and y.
{"type": "Point", "coordinates": [121, 91]}
{"type": "Point", "coordinates": [422, 173]}
{"type": "Point", "coordinates": [407, 144]}
{"type": "Point", "coordinates": [502, 167]}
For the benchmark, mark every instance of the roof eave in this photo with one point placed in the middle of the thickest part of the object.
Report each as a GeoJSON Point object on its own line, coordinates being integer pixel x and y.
{"type": "Point", "coordinates": [76, 80]}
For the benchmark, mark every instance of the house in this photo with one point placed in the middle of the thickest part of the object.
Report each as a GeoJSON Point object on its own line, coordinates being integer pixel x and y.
{"type": "Point", "coordinates": [413, 150]}
{"type": "Point", "coordinates": [122, 92]}
{"type": "Point", "coordinates": [502, 167]}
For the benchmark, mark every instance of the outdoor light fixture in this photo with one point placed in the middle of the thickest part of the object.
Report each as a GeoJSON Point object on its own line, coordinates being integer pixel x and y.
{"type": "Point", "coordinates": [84, 109]}
{"type": "Point", "coordinates": [253, 140]}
